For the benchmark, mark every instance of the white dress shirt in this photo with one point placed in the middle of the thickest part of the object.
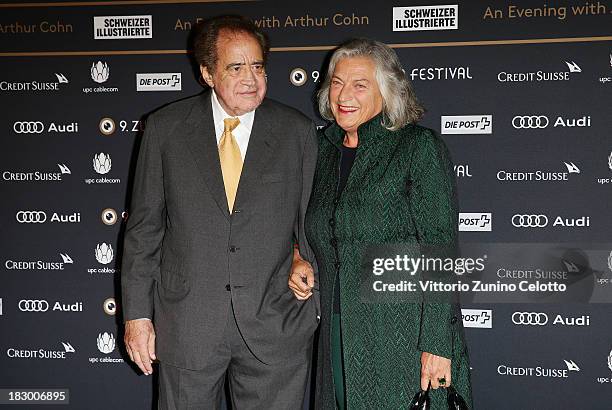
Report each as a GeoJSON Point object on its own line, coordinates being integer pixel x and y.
{"type": "Point", "coordinates": [242, 132]}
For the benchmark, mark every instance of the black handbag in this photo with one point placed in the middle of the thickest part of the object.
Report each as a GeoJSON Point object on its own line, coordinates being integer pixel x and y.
{"type": "Point", "coordinates": [454, 400]}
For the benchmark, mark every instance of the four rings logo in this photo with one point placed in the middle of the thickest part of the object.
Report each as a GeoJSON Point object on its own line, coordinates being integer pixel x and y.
{"type": "Point", "coordinates": [529, 221]}
{"type": "Point", "coordinates": [28, 127]}
{"type": "Point", "coordinates": [31, 217]}
{"type": "Point", "coordinates": [530, 121]}
{"type": "Point", "coordinates": [29, 305]}
{"type": "Point", "coordinates": [530, 318]}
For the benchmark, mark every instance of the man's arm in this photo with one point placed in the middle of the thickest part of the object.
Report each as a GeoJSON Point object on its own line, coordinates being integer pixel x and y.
{"type": "Point", "coordinates": [304, 264]}
{"type": "Point", "coordinates": [142, 248]}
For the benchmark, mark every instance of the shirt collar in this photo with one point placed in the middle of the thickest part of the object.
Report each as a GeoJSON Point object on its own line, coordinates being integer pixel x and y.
{"type": "Point", "coordinates": [219, 114]}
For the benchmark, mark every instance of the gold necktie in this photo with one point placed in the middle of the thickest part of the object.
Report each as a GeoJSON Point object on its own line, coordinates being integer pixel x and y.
{"type": "Point", "coordinates": [231, 161]}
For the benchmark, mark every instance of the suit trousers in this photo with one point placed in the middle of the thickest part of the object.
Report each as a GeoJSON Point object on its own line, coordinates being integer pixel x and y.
{"type": "Point", "coordinates": [252, 384]}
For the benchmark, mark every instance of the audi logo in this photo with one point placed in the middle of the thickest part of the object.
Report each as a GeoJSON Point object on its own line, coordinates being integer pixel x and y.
{"type": "Point", "coordinates": [28, 127]}
{"type": "Point", "coordinates": [529, 221]}
{"type": "Point", "coordinates": [530, 121]}
{"type": "Point", "coordinates": [530, 318]}
{"type": "Point", "coordinates": [31, 217]}
{"type": "Point", "coordinates": [29, 305]}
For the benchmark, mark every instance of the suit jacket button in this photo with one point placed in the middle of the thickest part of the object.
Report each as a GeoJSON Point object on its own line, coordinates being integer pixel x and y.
{"type": "Point", "coordinates": [454, 320]}
{"type": "Point", "coordinates": [228, 287]}
{"type": "Point", "coordinates": [232, 249]}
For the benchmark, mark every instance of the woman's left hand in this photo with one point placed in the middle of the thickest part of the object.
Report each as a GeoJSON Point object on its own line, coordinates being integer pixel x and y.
{"type": "Point", "coordinates": [434, 368]}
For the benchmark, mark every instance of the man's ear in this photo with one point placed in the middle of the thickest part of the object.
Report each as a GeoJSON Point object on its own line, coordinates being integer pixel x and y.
{"type": "Point", "coordinates": [207, 76]}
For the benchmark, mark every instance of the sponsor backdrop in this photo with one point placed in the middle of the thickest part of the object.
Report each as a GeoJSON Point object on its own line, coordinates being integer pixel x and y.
{"type": "Point", "coordinates": [520, 91]}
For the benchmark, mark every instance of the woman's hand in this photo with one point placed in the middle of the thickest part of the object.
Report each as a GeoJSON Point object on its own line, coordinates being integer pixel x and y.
{"type": "Point", "coordinates": [434, 368]}
{"type": "Point", "coordinates": [301, 279]}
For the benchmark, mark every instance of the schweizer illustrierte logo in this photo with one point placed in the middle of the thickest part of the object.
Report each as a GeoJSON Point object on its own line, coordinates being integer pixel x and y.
{"type": "Point", "coordinates": [99, 72]}
{"type": "Point", "coordinates": [102, 163]}
{"type": "Point", "coordinates": [421, 18]}
{"type": "Point", "coordinates": [122, 27]}
{"type": "Point", "coordinates": [106, 342]}
{"type": "Point", "coordinates": [104, 253]}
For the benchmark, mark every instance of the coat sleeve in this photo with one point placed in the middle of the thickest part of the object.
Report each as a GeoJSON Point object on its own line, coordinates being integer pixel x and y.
{"type": "Point", "coordinates": [433, 207]}
{"type": "Point", "coordinates": [145, 229]}
{"type": "Point", "coordinates": [309, 162]}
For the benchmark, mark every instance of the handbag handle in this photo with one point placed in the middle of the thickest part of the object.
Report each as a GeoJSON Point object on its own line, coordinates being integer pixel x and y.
{"type": "Point", "coordinates": [421, 400]}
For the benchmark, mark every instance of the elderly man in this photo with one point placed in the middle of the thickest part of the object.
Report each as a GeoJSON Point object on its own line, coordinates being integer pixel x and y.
{"type": "Point", "coordinates": [220, 193]}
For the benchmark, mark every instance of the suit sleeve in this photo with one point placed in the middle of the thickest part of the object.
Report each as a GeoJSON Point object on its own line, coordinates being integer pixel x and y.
{"type": "Point", "coordinates": [145, 229]}
{"type": "Point", "coordinates": [309, 161]}
{"type": "Point", "coordinates": [434, 211]}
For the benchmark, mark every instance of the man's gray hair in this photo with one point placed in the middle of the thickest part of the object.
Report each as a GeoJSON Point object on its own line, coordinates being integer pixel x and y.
{"type": "Point", "coordinates": [400, 105]}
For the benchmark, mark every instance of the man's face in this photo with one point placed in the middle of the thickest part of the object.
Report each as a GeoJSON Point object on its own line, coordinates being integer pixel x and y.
{"type": "Point", "coordinates": [239, 77]}
{"type": "Point", "coordinates": [354, 96]}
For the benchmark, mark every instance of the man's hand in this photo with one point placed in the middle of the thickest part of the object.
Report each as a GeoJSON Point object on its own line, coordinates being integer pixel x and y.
{"type": "Point", "coordinates": [301, 279]}
{"type": "Point", "coordinates": [140, 343]}
{"type": "Point", "coordinates": [434, 368]}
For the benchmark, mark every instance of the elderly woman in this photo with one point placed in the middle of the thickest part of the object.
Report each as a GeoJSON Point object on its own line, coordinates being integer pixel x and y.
{"type": "Point", "coordinates": [380, 178]}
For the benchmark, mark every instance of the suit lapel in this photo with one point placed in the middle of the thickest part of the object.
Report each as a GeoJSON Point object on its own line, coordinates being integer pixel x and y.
{"type": "Point", "coordinates": [259, 152]}
{"type": "Point", "coordinates": [202, 141]}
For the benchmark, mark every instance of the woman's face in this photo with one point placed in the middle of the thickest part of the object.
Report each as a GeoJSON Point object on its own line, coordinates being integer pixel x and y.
{"type": "Point", "coordinates": [354, 96]}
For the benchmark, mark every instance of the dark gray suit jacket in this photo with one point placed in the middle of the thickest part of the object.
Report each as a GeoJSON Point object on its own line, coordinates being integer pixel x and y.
{"type": "Point", "coordinates": [185, 258]}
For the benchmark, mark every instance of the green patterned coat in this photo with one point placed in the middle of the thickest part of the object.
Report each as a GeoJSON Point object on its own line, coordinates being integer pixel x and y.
{"type": "Point", "coordinates": [400, 190]}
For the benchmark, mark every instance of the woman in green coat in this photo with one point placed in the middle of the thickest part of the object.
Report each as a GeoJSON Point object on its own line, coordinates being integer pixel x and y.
{"type": "Point", "coordinates": [380, 179]}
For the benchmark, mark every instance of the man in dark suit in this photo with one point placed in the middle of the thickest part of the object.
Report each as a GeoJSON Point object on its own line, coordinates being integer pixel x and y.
{"type": "Point", "coordinates": [221, 188]}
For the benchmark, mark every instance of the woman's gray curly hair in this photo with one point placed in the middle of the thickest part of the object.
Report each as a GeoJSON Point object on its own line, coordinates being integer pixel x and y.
{"type": "Point", "coordinates": [400, 104]}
